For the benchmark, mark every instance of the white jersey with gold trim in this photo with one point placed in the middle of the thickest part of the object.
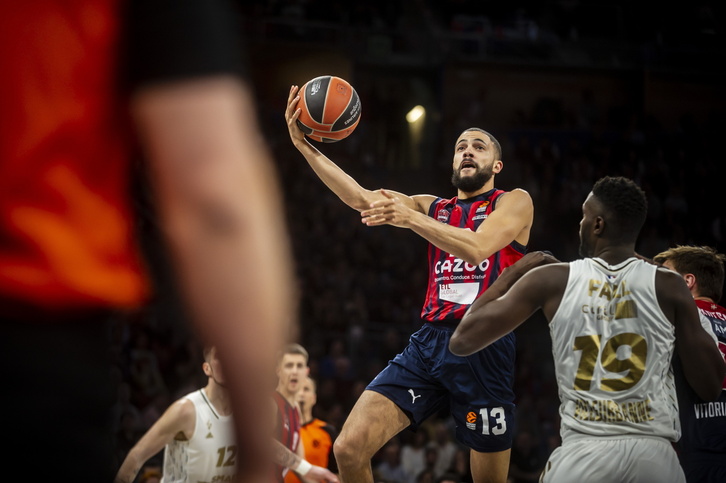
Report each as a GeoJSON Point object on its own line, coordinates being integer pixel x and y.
{"type": "Point", "coordinates": [612, 349]}
{"type": "Point", "coordinates": [209, 455]}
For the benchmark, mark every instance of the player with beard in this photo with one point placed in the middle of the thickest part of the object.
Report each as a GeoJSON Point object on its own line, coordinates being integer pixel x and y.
{"type": "Point", "coordinates": [473, 237]}
{"type": "Point", "coordinates": [196, 433]}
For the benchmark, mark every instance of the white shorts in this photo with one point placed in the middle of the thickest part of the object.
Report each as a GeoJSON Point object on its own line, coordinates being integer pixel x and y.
{"type": "Point", "coordinates": [614, 460]}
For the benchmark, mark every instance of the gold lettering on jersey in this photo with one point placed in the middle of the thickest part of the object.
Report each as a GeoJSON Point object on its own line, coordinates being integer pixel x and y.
{"type": "Point", "coordinates": [623, 354]}
{"type": "Point", "coordinates": [632, 364]}
{"type": "Point", "coordinates": [607, 290]}
{"type": "Point", "coordinates": [610, 292]}
{"type": "Point", "coordinates": [601, 312]}
{"type": "Point", "coordinates": [627, 309]}
{"type": "Point", "coordinates": [608, 411]}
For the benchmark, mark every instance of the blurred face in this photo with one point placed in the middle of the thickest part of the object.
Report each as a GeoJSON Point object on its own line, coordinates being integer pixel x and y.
{"type": "Point", "coordinates": [213, 368]}
{"type": "Point", "coordinates": [306, 396]}
{"type": "Point", "coordinates": [291, 373]}
{"type": "Point", "coordinates": [474, 161]}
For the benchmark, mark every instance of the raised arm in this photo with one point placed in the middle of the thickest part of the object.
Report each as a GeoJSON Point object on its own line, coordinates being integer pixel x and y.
{"type": "Point", "coordinates": [337, 180]}
{"type": "Point", "coordinates": [177, 421]}
{"type": "Point", "coordinates": [702, 362]}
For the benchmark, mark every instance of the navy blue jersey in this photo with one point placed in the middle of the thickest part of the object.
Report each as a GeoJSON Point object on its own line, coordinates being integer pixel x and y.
{"type": "Point", "coordinates": [454, 284]}
{"type": "Point", "coordinates": [703, 424]}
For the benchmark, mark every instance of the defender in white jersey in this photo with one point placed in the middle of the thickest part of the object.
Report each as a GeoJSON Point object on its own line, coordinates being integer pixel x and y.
{"type": "Point", "coordinates": [196, 433]}
{"type": "Point", "coordinates": [615, 322]}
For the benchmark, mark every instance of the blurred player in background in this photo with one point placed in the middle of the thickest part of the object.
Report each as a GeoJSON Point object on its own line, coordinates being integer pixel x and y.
{"type": "Point", "coordinates": [196, 433]}
{"type": "Point", "coordinates": [83, 84]}
{"type": "Point", "coordinates": [615, 322]}
{"type": "Point", "coordinates": [292, 370]}
{"type": "Point", "coordinates": [473, 237]}
{"type": "Point", "coordinates": [316, 435]}
{"type": "Point", "coordinates": [702, 447]}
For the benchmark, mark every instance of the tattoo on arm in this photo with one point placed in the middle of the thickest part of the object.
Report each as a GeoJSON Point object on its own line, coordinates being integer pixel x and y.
{"type": "Point", "coordinates": [285, 457]}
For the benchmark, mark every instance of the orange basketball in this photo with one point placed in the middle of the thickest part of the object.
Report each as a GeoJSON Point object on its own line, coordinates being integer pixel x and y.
{"type": "Point", "coordinates": [330, 109]}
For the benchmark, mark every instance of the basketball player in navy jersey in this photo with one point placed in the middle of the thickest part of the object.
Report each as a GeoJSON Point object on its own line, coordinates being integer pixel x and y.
{"type": "Point", "coordinates": [472, 237]}
{"type": "Point", "coordinates": [702, 447]}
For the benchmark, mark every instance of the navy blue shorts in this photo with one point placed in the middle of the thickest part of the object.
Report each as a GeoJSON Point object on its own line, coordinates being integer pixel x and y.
{"type": "Point", "coordinates": [426, 378]}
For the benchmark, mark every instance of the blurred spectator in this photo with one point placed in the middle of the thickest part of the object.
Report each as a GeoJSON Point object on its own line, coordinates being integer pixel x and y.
{"type": "Point", "coordinates": [390, 468]}
{"type": "Point", "coordinates": [445, 446]}
{"type": "Point", "coordinates": [527, 460]}
{"type": "Point", "coordinates": [413, 452]}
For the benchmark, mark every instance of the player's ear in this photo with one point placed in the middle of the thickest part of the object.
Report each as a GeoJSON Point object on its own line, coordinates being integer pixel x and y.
{"type": "Point", "coordinates": [497, 166]}
{"type": "Point", "coordinates": [690, 280]}
{"type": "Point", "coordinates": [207, 369]}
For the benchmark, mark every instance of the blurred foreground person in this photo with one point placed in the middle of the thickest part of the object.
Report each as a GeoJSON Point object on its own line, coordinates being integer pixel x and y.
{"type": "Point", "coordinates": [86, 82]}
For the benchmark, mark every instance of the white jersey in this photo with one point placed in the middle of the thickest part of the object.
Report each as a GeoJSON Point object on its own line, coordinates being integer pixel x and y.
{"type": "Point", "coordinates": [612, 349]}
{"type": "Point", "coordinates": [209, 455]}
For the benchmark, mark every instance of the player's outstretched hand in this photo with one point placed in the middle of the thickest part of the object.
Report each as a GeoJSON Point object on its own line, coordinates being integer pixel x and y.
{"type": "Point", "coordinates": [533, 260]}
{"type": "Point", "coordinates": [291, 114]}
{"type": "Point", "coordinates": [323, 475]}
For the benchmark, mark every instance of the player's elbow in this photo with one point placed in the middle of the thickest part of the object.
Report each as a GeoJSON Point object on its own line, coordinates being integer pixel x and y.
{"type": "Point", "coordinates": [476, 257]}
{"type": "Point", "coordinates": [709, 384]}
{"type": "Point", "coordinates": [711, 392]}
{"type": "Point", "coordinates": [359, 201]}
{"type": "Point", "coordinates": [460, 346]}
{"type": "Point", "coordinates": [716, 387]}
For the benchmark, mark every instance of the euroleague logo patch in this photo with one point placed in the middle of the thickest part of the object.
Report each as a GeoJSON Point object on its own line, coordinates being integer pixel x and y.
{"type": "Point", "coordinates": [471, 420]}
{"type": "Point", "coordinates": [442, 216]}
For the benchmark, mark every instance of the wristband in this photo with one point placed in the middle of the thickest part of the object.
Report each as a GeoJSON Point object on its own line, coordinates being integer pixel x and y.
{"type": "Point", "coordinates": [303, 467]}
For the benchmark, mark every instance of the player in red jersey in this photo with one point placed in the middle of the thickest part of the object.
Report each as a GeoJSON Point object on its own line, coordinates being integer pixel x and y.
{"type": "Point", "coordinates": [292, 370]}
{"type": "Point", "coordinates": [85, 82]}
{"type": "Point", "coordinates": [702, 447]}
{"type": "Point", "coordinates": [472, 237]}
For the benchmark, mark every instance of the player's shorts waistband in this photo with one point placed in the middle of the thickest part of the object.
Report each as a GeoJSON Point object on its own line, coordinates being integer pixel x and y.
{"type": "Point", "coordinates": [572, 437]}
{"type": "Point", "coordinates": [442, 324]}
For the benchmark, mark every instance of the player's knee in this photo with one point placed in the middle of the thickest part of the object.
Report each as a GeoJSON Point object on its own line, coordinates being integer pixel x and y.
{"type": "Point", "coordinates": [349, 451]}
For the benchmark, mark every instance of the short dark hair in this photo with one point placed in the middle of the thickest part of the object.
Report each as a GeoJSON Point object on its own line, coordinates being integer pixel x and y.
{"type": "Point", "coordinates": [704, 262]}
{"type": "Point", "coordinates": [625, 204]}
{"type": "Point", "coordinates": [497, 146]}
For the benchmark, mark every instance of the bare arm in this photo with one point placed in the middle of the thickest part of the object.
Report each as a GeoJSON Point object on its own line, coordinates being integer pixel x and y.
{"type": "Point", "coordinates": [337, 180]}
{"type": "Point", "coordinates": [703, 365]}
{"type": "Point", "coordinates": [221, 210]}
{"type": "Point", "coordinates": [283, 456]}
{"type": "Point", "coordinates": [511, 220]}
{"type": "Point", "coordinates": [520, 290]}
{"type": "Point", "coordinates": [177, 421]}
